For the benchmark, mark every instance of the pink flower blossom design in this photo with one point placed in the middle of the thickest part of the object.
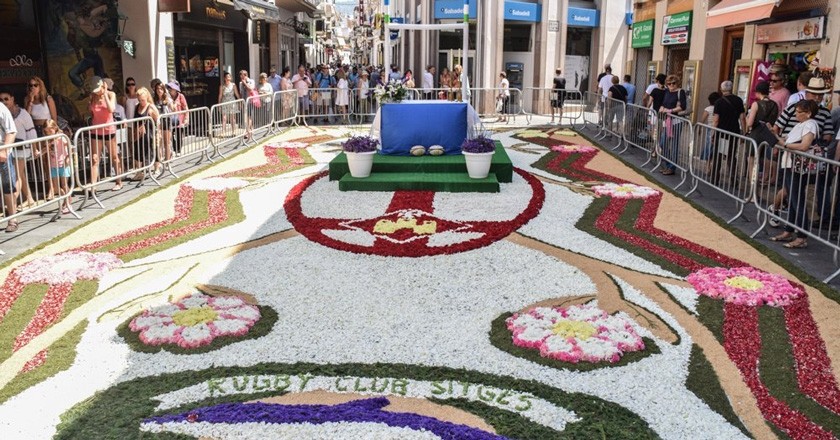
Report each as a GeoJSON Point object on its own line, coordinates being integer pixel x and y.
{"type": "Point", "coordinates": [744, 286]}
{"type": "Point", "coordinates": [582, 149]}
{"type": "Point", "coordinates": [195, 320]}
{"type": "Point", "coordinates": [624, 191]}
{"type": "Point", "coordinates": [292, 144]}
{"type": "Point", "coordinates": [68, 267]}
{"type": "Point", "coordinates": [575, 333]}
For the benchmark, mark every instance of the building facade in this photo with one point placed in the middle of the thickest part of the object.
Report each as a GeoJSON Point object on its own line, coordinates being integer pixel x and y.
{"type": "Point", "coordinates": [706, 42]}
{"type": "Point", "coordinates": [193, 41]}
{"type": "Point", "coordinates": [528, 39]}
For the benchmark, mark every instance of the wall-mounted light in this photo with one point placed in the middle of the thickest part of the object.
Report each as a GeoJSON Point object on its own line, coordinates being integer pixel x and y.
{"type": "Point", "coordinates": [127, 45]}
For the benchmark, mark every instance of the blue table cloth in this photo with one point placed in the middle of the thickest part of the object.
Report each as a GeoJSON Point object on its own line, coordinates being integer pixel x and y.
{"type": "Point", "coordinates": [406, 124]}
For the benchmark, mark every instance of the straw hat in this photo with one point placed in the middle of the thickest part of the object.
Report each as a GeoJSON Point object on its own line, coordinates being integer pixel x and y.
{"type": "Point", "coordinates": [816, 86]}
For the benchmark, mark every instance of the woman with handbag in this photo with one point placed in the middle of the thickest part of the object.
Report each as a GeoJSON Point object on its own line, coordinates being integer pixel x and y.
{"type": "Point", "coordinates": [796, 173]}
{"type": "Point", "coordinates": [248, 90]}
{"type": "Point", "coordinates": [762, 111]}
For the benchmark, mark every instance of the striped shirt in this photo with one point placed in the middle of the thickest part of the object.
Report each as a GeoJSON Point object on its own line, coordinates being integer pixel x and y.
{"type": "Point", "coordinates": [787, 121]}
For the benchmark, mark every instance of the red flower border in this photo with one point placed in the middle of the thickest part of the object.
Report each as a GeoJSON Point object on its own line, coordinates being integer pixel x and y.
{"type": "Point", "coordinates": [311, 227]}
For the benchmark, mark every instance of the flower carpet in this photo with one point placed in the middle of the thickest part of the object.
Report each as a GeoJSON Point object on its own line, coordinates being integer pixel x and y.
{"type": "Point", "coordinates": [255, 300]}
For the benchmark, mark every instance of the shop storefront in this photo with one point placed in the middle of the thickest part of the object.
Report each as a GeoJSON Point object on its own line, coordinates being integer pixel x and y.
{"type": "Point", "coordinates": [20, 49]}
{"type": "Point", "coordinates": [450, 43]}
{"type": "Point", "coordinates": [578, 62]}
{"type": "Point", "coordinates": [213, 38]}
{"type": "Point", "coordinates": [518, 44]}
{"type": "Point", "coordinates": [793, 47]}
{"type": "Point", "coordinates": [641, 40]}
{"type": "Point", "coordinates": [676, 35]}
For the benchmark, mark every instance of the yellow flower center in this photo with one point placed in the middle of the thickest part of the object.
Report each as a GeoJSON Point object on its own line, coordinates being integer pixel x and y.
{"type": "Point", "coordinates": [742, 282]}
{"type": "Point", "coordinates": [191, 317]}
{"type": "Point", "coordinates": [624, 189]}
{"type": "Point", "coordinates": [574, 329]}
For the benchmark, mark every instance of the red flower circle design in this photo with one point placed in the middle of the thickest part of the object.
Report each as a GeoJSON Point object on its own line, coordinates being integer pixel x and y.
{"type": "Point", "coordinates": [409, 226]}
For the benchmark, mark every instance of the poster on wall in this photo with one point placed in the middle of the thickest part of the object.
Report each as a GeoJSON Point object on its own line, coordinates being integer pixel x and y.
{"type": "Point", "coordinates": [576, 72]}
{"type": "Point", "coordinates": [79, 38]}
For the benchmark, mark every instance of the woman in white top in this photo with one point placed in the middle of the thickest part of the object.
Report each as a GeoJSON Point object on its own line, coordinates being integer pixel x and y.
{"type": "Point", "coordinates": [287, 98]}
{"type": "Point", "coordinates": [503, 97]}
{"type": "Point", "coordinates": [342, 96]}
{"type": "Point", "coordinates": [39, 104]}
{"type": "Point", "coordinates": [799, 139]}
{"type": "Point", "coordinates": [25, 131]}
{"type": "Point", "coordinates": [129, 100]}
{"type": "Point", "coordinates": [708, 118]}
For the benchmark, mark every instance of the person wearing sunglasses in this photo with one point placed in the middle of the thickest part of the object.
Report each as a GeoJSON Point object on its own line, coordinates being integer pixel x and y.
{"type": "Point", "coordinates": [778, 92]}
{"type": "Point", "coordinates": [129, 99]}
{"type": "Point", "coordinates": [39, 104]}
{"type": "Point", "coordinates": [673, 103]}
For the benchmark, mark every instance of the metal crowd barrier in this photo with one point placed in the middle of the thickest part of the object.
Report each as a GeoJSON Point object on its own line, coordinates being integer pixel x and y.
{"type": "Point", "coordinates": [567, 104]}
{"type": "Point", "coordinates": [285, 107]}
{"type": "Point", "coordinates": [592, 110]}
{"type": "Point", "coordinates": [364, 105]}
{"type": "Point", "coordinates": [188, 137]}
{"type": "Point", "coordinates": [323, 105]}
{"type": "Point", "coordinates": [37, 175]}
{"type": "Point", "coordinates": [259, 117]}
{"type": "Point", "coordinates": [726, 162]}
{"type": "Point", "coordinates": [674, 143]}
{"type": "Point", "coordinates": [805, 202]}
{"type": "Point", "coordinates": [612, 123]}
{"type": "Point", "coordinates": [101, 159]}
{"type": "Point", "coordinates": [640, 124]}
{"type": "Point", "coordinates": [228, 124]}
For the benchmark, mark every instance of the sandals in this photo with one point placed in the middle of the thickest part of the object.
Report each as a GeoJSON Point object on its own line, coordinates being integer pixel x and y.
{"type": "Point", "coordinates": [668, 172]}
{"type": "Point", "coordinates": [799, 243]}
{"type": "Point", "coordinates": [12, 226]}
{"type": "Point", "coordinates": [783, 238]}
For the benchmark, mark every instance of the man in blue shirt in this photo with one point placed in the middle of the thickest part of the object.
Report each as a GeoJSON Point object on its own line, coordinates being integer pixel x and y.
{"type": "Point", "coordinates": [274, 79]}
{"type": "Point", "coordinates": [631, 90]}
{"type": "Point", "coordinates": [325, 82]}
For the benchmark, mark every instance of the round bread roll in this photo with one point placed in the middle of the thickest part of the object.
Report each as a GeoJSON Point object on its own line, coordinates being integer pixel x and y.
{"type": "Point", "coordinates": [418, 150]}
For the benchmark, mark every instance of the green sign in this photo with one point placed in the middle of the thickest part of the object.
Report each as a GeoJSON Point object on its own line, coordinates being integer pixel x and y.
{"type": "Point", "coordinates": [642, 34]}
{"type": "Point", "coordinates": [677, 28]}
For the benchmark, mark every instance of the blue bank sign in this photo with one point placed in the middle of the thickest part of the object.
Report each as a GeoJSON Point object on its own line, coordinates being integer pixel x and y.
{"type": "Point", "coordinates": [581, 17]}
{"type": "Point", "coordinates": [522, 11]}
{"type": "Point", "coordinates": [453, 9]}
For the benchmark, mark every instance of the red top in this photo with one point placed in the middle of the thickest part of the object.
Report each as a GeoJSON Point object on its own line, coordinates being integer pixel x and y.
{"type": "Point", "coordinates": [101, 114]}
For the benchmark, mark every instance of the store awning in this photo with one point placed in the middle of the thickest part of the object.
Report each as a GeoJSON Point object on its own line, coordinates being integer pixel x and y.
{"type": "Point", "coordinates": [258, 10]}
{"type": "Point", "coordinates": [308, 6]}
{"type": "Point", "coordinates": [730, 12]}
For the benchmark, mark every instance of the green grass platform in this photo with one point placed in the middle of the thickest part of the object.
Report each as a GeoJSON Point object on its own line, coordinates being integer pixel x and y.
{"type": "Point", "coordinates": [436, 173]}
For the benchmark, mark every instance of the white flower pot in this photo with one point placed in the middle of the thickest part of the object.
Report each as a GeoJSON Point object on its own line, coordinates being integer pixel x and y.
{"type": "Point", "coordinates": [360, 163]}
{"type": "Point", "coordinates": [478, 164]}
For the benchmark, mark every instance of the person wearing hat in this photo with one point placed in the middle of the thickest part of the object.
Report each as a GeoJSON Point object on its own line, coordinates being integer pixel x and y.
{"type": "Point", "coordinates": [179, 104]}
{"type": "Point", "coordinates": [364, 94]}
{"type": "Point", "coordinates": [814, 90]}
{"type": "Point", "coordinates": [102, 105]}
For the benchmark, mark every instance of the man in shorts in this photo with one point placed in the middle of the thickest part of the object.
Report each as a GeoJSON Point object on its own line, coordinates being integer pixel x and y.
{"type": "Point", "coordinates": [7, 167]}
{"type": "Point", "coordinates": [558, 95]}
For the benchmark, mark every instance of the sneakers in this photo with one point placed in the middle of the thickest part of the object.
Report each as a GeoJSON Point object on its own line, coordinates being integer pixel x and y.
{"type": "Point", "coordinates": [774, 222]}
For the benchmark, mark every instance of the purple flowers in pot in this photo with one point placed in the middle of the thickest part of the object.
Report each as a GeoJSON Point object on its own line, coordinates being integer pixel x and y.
{"type": "Point", "coordinates": [360, 144]}
{"type": "Point", "coordinates": [479, 144]}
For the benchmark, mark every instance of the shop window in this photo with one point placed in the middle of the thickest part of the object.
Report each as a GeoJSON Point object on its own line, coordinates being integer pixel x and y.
{"type": "Point", "coordinates": [517, 38]}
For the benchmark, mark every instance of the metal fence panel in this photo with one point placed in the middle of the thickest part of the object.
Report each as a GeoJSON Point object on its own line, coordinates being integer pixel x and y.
{"type": "Point", "coordinates": [105, 157]}
{"type": "Point", "coordinates": [640, 129]}
{"type": "Point", "coordinates": [39, 171]}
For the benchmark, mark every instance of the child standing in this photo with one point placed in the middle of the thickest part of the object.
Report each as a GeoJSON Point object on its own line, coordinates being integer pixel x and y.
{"type": "Point", "coordinates": [59, 158]}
